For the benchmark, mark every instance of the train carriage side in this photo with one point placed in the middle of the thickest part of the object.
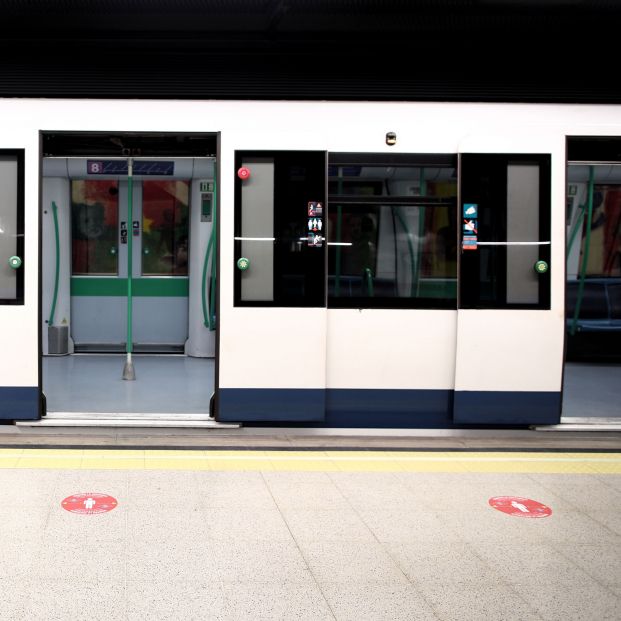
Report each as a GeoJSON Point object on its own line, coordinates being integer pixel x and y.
{"type": "Point", "coordinates": [361, 282]}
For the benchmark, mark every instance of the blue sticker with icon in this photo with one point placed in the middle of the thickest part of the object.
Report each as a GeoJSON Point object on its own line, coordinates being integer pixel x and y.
{"type": "Point", "coordinates": [471, 210]}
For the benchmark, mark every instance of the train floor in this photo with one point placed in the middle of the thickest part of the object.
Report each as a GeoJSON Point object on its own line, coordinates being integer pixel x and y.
{"type": "Point", "coordinates": [93, 383]}
{"type": "Point", "coordinates": [592, 390]}
{"type": "Point", "coordinates": [314, 535]}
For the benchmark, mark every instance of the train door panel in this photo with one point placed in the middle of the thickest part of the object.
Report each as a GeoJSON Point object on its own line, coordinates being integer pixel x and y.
{"type": "Point", "coordinates": [276, 334]}
{"type": "Point", "coordinates": [100, 240]}
{"type": "Point", "coordinates": [508, 339]}
{"type": "Point", "coordinates": [19, 391]}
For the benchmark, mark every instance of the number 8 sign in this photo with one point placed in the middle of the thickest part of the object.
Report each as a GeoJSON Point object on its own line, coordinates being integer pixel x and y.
{"type": "Point", "coordinates": [93, 167]}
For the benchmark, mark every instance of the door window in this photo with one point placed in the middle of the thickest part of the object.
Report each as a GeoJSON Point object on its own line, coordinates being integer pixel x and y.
{"type": "Point", "coordinates": [94, 227]}
{"type": "Point", "coordinates": [11, 227]}
{"type": "Point", "coordinates": [280, 228]}
{"type": "Point", "coordinates": [165, 213]}
{"type": "Point", "coordinates": [505, 231]}
{"type": "Point", "coordinates": [392, 231]}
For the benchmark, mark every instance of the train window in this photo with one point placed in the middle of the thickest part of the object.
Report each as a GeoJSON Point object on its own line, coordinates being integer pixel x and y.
{"type": "Point", "coordinates": [12, 227]}
{"type": "Point", "coordinates": [165, 213]}
{"type": "Point", "coordinates": [279, 228]}
{"type": "Point", "coordinates": [505, 231]}
{"type": "Point", "coordinates": [392, 231]}
{"type": "Point", "coordinates": [94, 227]}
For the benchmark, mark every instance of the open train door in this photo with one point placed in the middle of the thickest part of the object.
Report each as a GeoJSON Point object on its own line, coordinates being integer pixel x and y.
{"type": "Point", "coordinates": [272, 341]}
{"type": "Point", "coordinates": [19, 371]}
{"type": "Point", "coordinates": [509, 340]}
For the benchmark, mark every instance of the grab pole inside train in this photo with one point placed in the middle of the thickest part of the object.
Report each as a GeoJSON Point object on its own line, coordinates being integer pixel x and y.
{"type": "Point", "coordinates": [128, 369]}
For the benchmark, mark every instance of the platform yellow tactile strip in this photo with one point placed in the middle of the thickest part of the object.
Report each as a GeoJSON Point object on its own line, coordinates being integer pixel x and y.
{"type": "Point", "coordinates": [321, 460]}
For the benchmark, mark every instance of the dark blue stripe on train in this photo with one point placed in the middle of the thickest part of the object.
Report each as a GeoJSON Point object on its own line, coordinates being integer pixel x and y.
{"type": "Point", "coordinates": [19, 403]}
{"type": "Point", "coordinates": [374, 408]}
{"type": "Point", "coordinates": [507, 408]}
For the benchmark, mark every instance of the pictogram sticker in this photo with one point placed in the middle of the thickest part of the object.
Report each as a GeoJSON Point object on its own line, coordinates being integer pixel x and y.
{"type": "Point", "coordinates": [89, 503]}
{"type": "Point", "coordinates": [520, 507]}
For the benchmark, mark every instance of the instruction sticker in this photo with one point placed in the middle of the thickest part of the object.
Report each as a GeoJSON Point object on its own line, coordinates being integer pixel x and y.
{"type": "Point", "coordinates": [471, 210]}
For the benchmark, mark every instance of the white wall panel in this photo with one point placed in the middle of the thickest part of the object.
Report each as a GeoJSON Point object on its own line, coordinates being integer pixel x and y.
{"type": "Point", "coordinates": [391, 349]}
{"type": "Point", "coordinates": [509, 350]}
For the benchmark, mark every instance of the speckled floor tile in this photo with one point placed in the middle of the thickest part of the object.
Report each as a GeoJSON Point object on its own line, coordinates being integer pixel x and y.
{"type": "Point", "coordinates": [285, 601]}
{"type": "Point", "coordinates": [359, 561]}
{"type": "Point", "coordinates": [468, 602]}
{"type": "Point", "coordinates": [296, 495]}
{"type": "Point", "coordinates": [441, 563]}
{"type": "Point", "coordinates": [578, 602]}
{"type": "Point", "coordinates": [601, 562]}
{"type": "Point", "coordinates": [530, 563]}
{"type": "Point", "coordinates": [61, 600]}
{"type": "Point", "coordinates": [260, 561]}
{"type": "Point", "coordinates": [196, 600]}
{"type": "Point", "coordinates": [326, 525]}
{"type": "Point", "coordinates": [376, 602]}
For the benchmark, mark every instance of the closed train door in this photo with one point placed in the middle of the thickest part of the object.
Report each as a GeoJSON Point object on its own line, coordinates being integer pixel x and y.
{"type": "Point", "coordinates": [509, 340]}
{"type": "Point", "coordinates": [101, 229]}
{"type": "Point", "coordinates": [274, 336]}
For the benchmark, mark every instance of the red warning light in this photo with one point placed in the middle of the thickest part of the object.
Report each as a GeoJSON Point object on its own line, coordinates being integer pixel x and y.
{"type": "Point", "coordinates": [243, 173]}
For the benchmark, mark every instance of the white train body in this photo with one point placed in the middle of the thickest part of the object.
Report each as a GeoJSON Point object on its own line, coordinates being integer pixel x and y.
{"type": "Point", "coordinates": [321, 364]}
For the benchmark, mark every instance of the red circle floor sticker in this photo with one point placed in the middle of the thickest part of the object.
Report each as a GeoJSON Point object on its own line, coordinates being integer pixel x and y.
{"type": "Point", "coordinates": [89, 503]}
{"type": "Point", "coordinates": [520, 507]}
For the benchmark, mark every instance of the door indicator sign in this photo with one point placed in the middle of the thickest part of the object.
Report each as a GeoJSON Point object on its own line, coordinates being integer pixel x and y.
{"type": "Point", "coordinates": [520, 507]}
{"type": "Point", "coordinates": [89, 503]}
{"type": "Point", "coordinates": [471, 210]}
{"type": "Point", "coordinates": [470, 226]}
{"type": "Point", "coordinates": [315, 224]}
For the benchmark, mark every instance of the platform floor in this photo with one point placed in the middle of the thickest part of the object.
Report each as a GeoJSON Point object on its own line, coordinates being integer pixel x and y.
{"type": "Point", "coordinates": [312, 535]}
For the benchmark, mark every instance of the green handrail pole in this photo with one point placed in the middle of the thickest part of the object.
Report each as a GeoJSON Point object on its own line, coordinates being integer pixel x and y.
{"type": "Point", "coordinates": [128, 369]}
{"type": "Point", "coordinates": [206, 314]}
{"type": "Point", "coordinates": [576, 228]}
{"type": "Point", "coordinates": [585, 256]}
{"type": "Point", "coordinates": [209, 320]}
{"type": "Point", "coordinates": [56, 276]}
{"type": "Point", "coordinates": [368, 275]}
{"type": "Point", "coordinates": [214, 259]}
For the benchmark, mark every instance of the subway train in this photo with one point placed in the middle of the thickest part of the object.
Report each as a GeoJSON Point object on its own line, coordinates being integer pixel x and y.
{"type": "Point", "coordinates": [322, 264]}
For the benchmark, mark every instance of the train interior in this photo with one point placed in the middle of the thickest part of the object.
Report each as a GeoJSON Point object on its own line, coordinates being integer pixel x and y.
{"type": "Point", "coordinates": [593, 294]}
{"type": "Point", "coordinates": [128, 256]}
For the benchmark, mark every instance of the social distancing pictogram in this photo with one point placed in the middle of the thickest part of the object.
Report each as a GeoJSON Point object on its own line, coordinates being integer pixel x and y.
{"type": "Point", "coordinates": [89, 503]}
{"type": "Point", "coordinates": [520, 507]}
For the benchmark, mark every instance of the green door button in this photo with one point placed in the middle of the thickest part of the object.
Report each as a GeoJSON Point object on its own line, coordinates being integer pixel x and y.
{"type": "Point", "coordinates": [15, 262]}
{"type": "Point", "coordinates": [243, 264]}
{"type": "Point", "coordinates": [541, 267]}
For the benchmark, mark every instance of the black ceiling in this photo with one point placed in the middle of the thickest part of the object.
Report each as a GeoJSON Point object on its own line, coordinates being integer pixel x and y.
{"type": "Point", "coordinates": [468, 50]}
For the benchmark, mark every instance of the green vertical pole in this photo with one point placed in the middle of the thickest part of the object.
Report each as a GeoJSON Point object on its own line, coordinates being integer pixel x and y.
{"type": "Point", "coordinates": [128, 369]}
{"type": "Point", "coordinates": [56, 276]}
{"type": "Point", "coordinates": [585, 255]}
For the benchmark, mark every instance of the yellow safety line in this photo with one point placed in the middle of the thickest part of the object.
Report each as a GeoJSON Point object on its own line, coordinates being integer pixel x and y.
{"type": "Point", "coordinates": [325, 461]}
